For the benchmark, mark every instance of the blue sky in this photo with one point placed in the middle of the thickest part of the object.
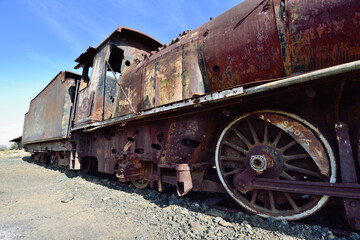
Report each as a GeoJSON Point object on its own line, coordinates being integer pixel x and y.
{"type": "Point", "coordinates": [39, 38]}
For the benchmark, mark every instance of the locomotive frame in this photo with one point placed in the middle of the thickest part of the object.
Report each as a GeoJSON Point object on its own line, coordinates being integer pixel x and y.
{"type": "Point", "coordinates": [270, 117]}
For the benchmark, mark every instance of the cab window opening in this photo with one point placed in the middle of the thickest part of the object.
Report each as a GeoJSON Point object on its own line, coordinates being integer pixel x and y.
{"type": "Point", "coordinates": [116, 61]}
{"type": "Point", "coordinates": [85, 77]}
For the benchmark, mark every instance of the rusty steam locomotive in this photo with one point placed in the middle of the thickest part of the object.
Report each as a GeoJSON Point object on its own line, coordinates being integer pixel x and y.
{"type": "Point", "coordinates": [261, 102]}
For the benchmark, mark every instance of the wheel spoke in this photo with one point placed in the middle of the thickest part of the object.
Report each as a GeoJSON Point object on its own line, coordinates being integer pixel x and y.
{"type": "Point", "coordinates": [272, 201]}
{"type": "Point", "coordinates": [292, 202]}
{"type": "Point", "coordinates": [302, 170]}
{"type": "Point", "coordinates": [266, 133]}
{"type": "Point", "coordinates": [266, 136]}
{"type": "Point", "coordinates": [297, 156]}
{"type": "Point", "coordinates": [286, 176]}
{"type": "Point", "coordinates": [233, 165]}
{"type": "Point", "coordinates": [242, 138]}
{"type": "Point", "coordinates": [232, 158]}
{"type": "Point", "coordinates": [277, 139]}
{"type": "Point", "coordinates": [230, 173]}
{"type": "Point", "coordinates": [253, 133]}
{"type": "Point", "coordinates": [289, 145]}
{"type": "Point", "coordinates": [254, 196]}
{"type": "Point", "coordinates": [235, 147]}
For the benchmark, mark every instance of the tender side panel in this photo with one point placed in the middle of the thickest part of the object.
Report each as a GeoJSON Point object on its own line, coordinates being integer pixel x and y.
{"type": "Point", "coordinates": [49, 114]}
{"type": "Point", "coordinates": [54, 146]}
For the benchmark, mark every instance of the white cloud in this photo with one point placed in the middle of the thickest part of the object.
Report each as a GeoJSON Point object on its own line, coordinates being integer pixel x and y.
{"type": "Point", "coordinates": [44, 9]}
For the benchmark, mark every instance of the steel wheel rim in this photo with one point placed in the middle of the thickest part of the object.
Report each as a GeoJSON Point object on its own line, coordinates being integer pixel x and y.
{"type": "Point", "coordinates": [294, 214]}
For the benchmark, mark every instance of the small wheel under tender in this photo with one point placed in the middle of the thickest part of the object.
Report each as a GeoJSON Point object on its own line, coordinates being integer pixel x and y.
{"type": "Point", "coordinates": [140, 183]}
{"type": "Point", "coordinates": [88, 165]}
{"type": "Point", "coordinates": [274, 145]}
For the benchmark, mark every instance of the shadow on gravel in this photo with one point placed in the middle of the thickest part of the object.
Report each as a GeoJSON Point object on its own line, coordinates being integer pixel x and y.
{"type": "Point", "coordinates": [226, 209]}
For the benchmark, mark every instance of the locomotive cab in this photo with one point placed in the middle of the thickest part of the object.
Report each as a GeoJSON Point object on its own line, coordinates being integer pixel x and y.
{"type": "Point", "coordinates": [102, 77]}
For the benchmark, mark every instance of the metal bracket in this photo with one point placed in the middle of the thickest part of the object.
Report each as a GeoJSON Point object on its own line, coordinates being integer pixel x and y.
{"type": "Point", "coordinates": [183, 178]}
{"type": "Point", "coordinates": [348, 173]}
{"type": "Point", "coordinates": [243, 180]}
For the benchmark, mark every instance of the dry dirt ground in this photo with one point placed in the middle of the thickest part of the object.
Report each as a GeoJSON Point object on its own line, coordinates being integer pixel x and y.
{"type": "Point", "coordinates": [39, 203]}
{"type": "Point", "coordinates": [44, 202]}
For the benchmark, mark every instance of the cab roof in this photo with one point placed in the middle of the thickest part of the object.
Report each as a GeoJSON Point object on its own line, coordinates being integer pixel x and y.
{"type": "Point", "coordinates": [128, 33]}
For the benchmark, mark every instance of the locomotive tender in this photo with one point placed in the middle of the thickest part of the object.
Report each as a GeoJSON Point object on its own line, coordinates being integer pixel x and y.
{"type": "Point", "coordinates": [261, 103]}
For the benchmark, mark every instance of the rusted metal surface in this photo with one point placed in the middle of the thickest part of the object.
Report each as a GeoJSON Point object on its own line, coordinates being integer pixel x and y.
{"type": "Point", "coordinates": [244, 45]}
{"type": "Point", "coordinates": [273, 145]}
{"type": "Point", "coordinates": [241, 46]}
{"type": "Point", "coordinates": [180, 139]}
{"type": "Point", "coordinates": [234, 93]}
{"type": "Point", "coordinates": [49, 113]}
{"type": "Point", "coordinates": [119, 84]}
{"type": "Point", "coordinates": [187, 139]}
{"type": "Point", "coordinates": [130, 170]}
{"type": "Point", "coordinates": [277, 38]}
{"type": "Point", "coordinates": [304, 137]}
{"type": "Point", "coordinates": [123, 49]}
{"type": "Point", "coordinates": [124, 31]}
{"type": "Point", "coordinates": [163, 81]}
{"type": "Point", "coordinates": [59, 158]}
{"type": "Point", "coordinates": [347, 163]}
{"type": "Point", "coordinates": [173, 74]}
{"type": "Point", "coordinates": [322, 33]}
{"type": "Point", "coordinates": [347, 190]}
{"type": "Point", "coordinates": [348, 174]}
{"type": "Point", "coordinates": [187, 113]}
{"type": "Point", "coordinates": [62, 145]}
{"type": "Point", "coordinates": [243, 180]}
{"type": "Point", "coordinates": [132, 85]}
{"type": "Point", "coordinates": [184, 180]}
{"type": "Point", "coordinates": [91, 98]}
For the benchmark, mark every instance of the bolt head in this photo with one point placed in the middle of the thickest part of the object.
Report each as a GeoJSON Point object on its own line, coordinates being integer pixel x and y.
{"type": "Point", "coordinates": [258, 163]}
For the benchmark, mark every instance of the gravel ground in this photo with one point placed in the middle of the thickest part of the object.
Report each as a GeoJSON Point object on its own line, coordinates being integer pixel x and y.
{"type": "Point", "coordinates": [44, 202]}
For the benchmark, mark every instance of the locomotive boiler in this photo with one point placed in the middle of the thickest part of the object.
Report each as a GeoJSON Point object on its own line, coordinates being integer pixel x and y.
{"type": "Point", "coordinates": [260, 102]}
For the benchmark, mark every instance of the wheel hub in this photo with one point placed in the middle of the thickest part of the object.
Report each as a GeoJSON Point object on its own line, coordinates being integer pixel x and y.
{"type": "Point", "coordinates": [265, 160]}
{"type": "Point", "coordinates": [258, 163]}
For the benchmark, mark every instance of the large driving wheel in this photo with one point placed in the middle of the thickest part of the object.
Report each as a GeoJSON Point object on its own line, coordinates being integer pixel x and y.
{"type": "Point", "coordinates": [274, 145]}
